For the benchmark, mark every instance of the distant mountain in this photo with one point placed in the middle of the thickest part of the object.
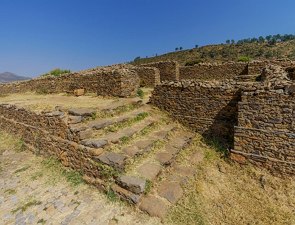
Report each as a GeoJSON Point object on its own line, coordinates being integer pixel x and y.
{"type": "Point", "coordinates": [10, 77]}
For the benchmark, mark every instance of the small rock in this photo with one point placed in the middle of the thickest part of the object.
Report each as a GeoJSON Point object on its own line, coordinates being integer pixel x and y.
{"type": "Point", "coordinates": [165, 158]}
{"type": "Point", "coordinates": [149, 170]}
{"type": "Point", "coordinates": [171, 191]}
{"type": "Point", "coordinates": [262, 181]}
{"type": "Point", "coordinates": [133, 184]}
{"type": "Point", "coordinates": [154, 206]}
{"type": "Point", "coordinates": [94, 143]}
{"type": "Point", "coordinates": [85, 134]}
{"type": "Point", "coordinates": [113, 159]}
{"type": "Point", "coordinates": [125, 194]}
{"type": "Point", "coordinates": [79, 92]}
{"type": "Point", "coordinates": [82, 112]}
{"type": "Point", "coordinates": [74, 119]}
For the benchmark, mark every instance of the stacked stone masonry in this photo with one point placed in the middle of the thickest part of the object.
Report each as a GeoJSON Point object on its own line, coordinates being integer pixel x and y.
{"type": "Point", "coordinates": [169, 70]}
{"type": "Point", "coordinates": [255, 119]}
{"type": "Point", "coordinates": [209, 108]}
{"type": "Point", "coordinates": [265, 133]}
{"type": "Point", "coordinates": [149, 76]}
{"type": "Point", "coordinates": [118, 81]}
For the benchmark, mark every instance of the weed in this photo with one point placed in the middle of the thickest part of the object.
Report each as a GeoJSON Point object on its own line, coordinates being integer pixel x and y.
{"type": "Point", "coordinates": [73, 177]}
{"type": "Point", "coordinates": [111, 195]}
{"type": "Point", "coordinates": [128, 123]}
{"type": "Point", "coordinates": [22, 169]}
{"type": "Point", "coordinates": [140, 93]}
{"type": "Point", "coordinates": [10, 191]}
{"type": "Point", "coordinates": [148, 187]}
{"type": "Point", "coordinates": [93, 116]}
{"type": "Point", "coordinates": [37, 175]}
{"type": "Point", "coordinates": [20, 146]}
{"type": "Point", "coordinates": [26, 206]}
{"type": "Point", "coordinates": [106, 171]}
{"type": "Point", "coordinates": [53, 165]}
{"type": "Point", "coordinates": [42, 221]}
{"type": "Point", "coordinates": [124, 140]}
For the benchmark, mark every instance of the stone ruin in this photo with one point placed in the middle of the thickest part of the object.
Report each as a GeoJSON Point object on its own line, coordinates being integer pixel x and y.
{"type": "Point", "coordinates": [251, 112]}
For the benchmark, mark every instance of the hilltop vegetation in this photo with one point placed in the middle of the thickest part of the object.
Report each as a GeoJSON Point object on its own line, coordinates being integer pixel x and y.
{"type": "Point", "coordinates": [56, 72]}
{"type": "Point", "coordinates": [269, 47]}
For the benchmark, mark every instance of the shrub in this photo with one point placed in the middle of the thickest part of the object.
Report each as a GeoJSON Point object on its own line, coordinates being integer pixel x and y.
{"type": "Point", "coordinates": [56, 72]}
{"type": "Point", "coordinates": [244, 59]}
{"type": "Point", "coordinates": [193, 62]}
{"type": "Point", "coordinates": [140, 93]}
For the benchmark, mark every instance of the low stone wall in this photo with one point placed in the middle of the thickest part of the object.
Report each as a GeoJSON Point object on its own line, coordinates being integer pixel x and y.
{"type": "Point", "coordinates": [265, 134]}
{"type": "Point", "coordinates": [207, 71]}
{"type": "Point", "coordinates": [210, 108]}
{"type": "Point", "coordinates": [41, 141]}
{"type": "Point", "coordinates": [51, 134]}
{"type": "Point", "coordinates": [169, 70]}
{"type": "Point", "coordinates": [121, 82]}
{"type": "Point", "coordinates": [256, 67]}
{"type": "Point", "coordinates": [149, 76]}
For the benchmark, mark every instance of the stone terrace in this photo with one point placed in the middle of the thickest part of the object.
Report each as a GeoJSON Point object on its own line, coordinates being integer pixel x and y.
{"type": "Point", "coordinates": [121, 145]}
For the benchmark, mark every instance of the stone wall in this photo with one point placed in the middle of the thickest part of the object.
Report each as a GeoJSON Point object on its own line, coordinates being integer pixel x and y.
{"type": "Point", "coordinates": [41, 141]}
{"type": "Point", "coordinates": [208, 71]}
{"type": "Point", "coordinates": [169, 70]}
{"type": "Point", "coordinates": [256, 67]}
{"type": "Point", "coordinates": [210, 108]}
{"type": "Point", "coordinates": [108, 81]}
{"type": "Point", "coordinates": [149, 76]}
{"type": "Point", "coordinates": [265, 134]}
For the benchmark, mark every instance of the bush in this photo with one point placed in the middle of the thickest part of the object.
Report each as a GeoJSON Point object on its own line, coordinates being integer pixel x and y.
{"type": "Point", "coordinates": [193, 62]}
{"type": "Point", "coordinates": [140, 93]}
{"type": "Point", "coordinates": [56, 72]}
{"type": "Point", "coordinates": [244, 59]}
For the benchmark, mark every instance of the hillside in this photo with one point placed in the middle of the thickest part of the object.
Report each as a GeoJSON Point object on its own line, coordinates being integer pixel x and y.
{"type": "Point", "coordinates": [9, 77]}
{"type": "Point", "coordinates": [227, 52]}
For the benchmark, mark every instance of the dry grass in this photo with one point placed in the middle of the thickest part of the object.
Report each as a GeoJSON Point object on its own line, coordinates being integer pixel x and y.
{"type": "Point", "coordinates": [40, 103]}
{"type": "Point", "coordinates": [226, 193]}
{"type": "Point", "coordinates": [9, 142]}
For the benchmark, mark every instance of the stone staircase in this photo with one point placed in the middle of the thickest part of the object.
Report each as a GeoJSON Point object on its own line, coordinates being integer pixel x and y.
{"type": "Point", "coordinates": [136, 146]}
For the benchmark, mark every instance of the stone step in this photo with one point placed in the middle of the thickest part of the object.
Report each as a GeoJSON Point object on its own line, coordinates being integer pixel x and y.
{"type": "Point", "coordinates": [151, 167]}
{"type": "Point", "coordinates": [115, 138]}
{"type": "Point", "coordinates": [168, 188]}
{"type": "Point", "coordinates": [142, 146]}
{"type": "Point", "coordinates": [105, 122]}
{"type": "Point", "coordinates": [147, 170]}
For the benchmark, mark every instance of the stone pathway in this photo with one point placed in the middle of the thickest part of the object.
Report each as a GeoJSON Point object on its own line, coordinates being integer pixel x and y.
{"type": "Point", "coordinates": [28, 196]}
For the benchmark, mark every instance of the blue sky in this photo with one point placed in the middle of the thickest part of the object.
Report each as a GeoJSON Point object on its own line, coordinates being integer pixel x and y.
{"type": "Point", "coordinates": [39, 35]}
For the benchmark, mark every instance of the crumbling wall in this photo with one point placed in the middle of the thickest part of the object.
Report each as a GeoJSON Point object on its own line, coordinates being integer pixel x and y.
{"type": "Point", "coordinates": [169, 70]}
{"type": "Point", "coordinates": [208, 71]}
{"type": "Point", "coordinates": [210, 108]}
{"type": "Point", "coordinates": [149, 76]}
{"type": "Point", "coordinates": [108, 81]}
{"type": "Point", "coordinates": [256, 67]}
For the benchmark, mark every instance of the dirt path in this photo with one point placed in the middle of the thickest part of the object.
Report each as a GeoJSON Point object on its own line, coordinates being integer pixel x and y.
{"type": "Point", "coordinates": [32, 191]}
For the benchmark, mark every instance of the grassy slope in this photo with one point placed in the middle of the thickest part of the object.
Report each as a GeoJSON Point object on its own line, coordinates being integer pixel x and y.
{"type": "Point", "coordinates": [225, 52]}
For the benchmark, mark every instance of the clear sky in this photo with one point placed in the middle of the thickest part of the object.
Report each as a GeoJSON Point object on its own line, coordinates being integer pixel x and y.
{"type": "Point", "coordinates": [39, 35]}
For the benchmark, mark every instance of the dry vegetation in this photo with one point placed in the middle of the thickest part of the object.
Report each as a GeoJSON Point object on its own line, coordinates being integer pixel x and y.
{"type": "Point", "coordinates": [222, 192]}
{"type": "Point", "coordinates": [227, 193]}
{"type": "Point", "coordinates": [228, 52]}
